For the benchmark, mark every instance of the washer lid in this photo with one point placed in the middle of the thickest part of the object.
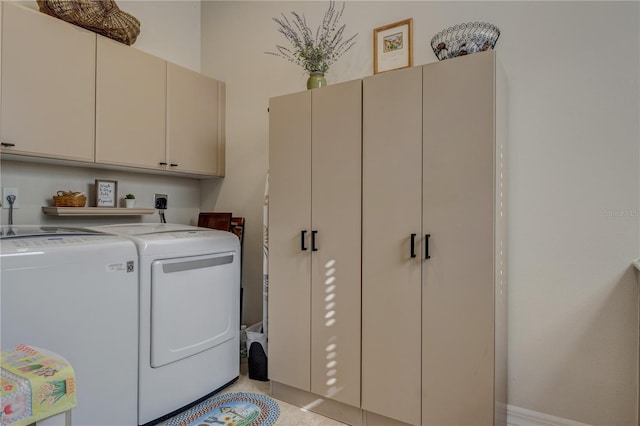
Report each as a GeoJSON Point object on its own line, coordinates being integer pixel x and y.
{"type": "Point", "coordinates": [153, 239]}
{"type": "Point", "coordinates": [21, 231]}
{"type": "Point", "coordinates": [148, 228]}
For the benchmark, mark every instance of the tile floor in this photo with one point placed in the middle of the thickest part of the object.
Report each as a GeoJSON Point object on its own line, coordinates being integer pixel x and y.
{"type": "Point", "coordinates": [290, 415]}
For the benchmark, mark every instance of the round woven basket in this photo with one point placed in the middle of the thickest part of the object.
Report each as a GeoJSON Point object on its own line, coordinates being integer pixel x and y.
{"type": "Point", "coordinates": [464, 39]}
{"type": "Point", "coordinates": [100, 16]}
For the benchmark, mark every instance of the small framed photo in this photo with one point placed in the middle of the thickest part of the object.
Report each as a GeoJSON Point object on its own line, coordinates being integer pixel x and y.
{"type": "Point", "coordinates": [393, 46]}
{"type": "Point", "coordinates": [106, 193]}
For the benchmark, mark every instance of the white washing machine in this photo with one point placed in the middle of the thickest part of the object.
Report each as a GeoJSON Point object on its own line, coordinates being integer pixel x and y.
{"type": "Point", "coordinates": [75, 292]}
{"type": "Point", "coordinates": [189, 314]}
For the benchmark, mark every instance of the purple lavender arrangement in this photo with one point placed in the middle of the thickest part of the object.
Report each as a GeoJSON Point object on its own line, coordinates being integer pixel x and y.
{"type": "Point", "coordinates": [313, 53]}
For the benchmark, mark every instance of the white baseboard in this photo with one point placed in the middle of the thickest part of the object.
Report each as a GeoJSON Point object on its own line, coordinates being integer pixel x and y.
{"type": "Point", "coordinates": [517, 416]}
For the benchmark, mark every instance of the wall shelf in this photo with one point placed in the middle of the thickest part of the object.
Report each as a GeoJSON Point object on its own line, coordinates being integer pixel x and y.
{"type": "Point", "coordinates": [95, 211]}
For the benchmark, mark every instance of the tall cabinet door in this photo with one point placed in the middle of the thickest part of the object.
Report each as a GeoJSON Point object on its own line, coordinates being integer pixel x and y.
{"type": "Point", "coordinates": [391, 284]}
{"type": "Point", "coordinates": [48, 86]}
{"type": "Point", "coordinates": [289, 254]}
{"type": "Point", "coordinates": [458, 213]}
{"type": "Point", "coordinates": [336, 238]}
{"type": "Point", "coordinates": [314, 241]}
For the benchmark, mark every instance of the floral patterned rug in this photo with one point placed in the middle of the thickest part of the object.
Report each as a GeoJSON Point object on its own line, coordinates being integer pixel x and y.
{"type": "Point", "coordinates": [230, 409]}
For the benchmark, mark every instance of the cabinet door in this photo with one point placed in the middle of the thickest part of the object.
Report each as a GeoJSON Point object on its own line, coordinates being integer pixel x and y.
{"type": "Point", "coordinates": [192, 121]}
{"type": "Point", "coordinates": [130, 106]}
{"type": "Point", "coordinates": [392, 208]}
{"type": "Point", "coordinates": [48, 86]}
{"type": "Point", "coordinates": [336, 265]}
{"type": "Point", "coordinates": [458, 293]}
{"type": "Point", "coordinates": [290, 216]}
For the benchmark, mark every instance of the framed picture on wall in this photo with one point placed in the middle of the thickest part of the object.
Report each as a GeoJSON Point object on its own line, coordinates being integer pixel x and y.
{"type": "Point", "coordinates": [393, 46]}
{"type": "Point", "coordinates": [106, 193]}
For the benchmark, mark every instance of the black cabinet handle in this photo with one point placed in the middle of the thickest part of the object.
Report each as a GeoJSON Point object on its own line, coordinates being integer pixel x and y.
{"type": "Point", "coordinates": [173, 165]}
{"type": "Point", "coordinates": [426, 246]}
{"type": "Point", "coordinates": [302, 238]}
{"type": "Point", "coordinates": [7, 144]}
{"type": "Point", "coordinates": [162, 163]}
{"type": "Point", "coordinates": [313, 241]}
{"type": "Point", "coordinates": [413, 245]}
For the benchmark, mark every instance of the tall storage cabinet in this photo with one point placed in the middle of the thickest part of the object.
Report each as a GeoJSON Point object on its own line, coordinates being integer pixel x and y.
{"type": "Point", "coordinates": [433, 245]}
{"type": "Point", "coordinates": [434, 283]}
{"type": "Point", "coordinates": [314, 241]}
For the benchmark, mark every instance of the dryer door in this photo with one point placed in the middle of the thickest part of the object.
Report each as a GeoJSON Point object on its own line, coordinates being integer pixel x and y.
{"type": "Point", "coordinates": [192, 305]}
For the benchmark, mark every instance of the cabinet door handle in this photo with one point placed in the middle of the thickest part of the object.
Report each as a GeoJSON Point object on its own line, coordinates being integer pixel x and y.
{"type": "Point", "coordinates": [173, 165]}
{"type": "Point", "coordinates": [7, 144]}
{"type": "Point", "coordinates": [162, 163]}
{"type": "Point", "coordinates": [303, 235]}
{"type": "Point", "coordinates": [426, 246]}
{"type": "Point", "coordinates": [413, 245]}
{"type": "Point", "coordinates": [313, 241]}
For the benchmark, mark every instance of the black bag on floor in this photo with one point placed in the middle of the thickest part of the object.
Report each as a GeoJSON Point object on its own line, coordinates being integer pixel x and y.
{"type": "Point", "coordinates": [257, 362]}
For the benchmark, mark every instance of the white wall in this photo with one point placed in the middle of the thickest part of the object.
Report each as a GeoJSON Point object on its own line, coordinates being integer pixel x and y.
{"type": "Point", "coordinates": [171, 30]}
{"type": "Point", "coordinates": [38, 183]}
{"type": "Point", "coordinates": [168, 29]}
{"type": "Point", "coordinates": [573, 70]}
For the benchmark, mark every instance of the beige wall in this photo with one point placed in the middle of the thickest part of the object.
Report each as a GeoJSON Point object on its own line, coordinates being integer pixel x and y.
{"type": "Point", "coordinates": [574, 169]}
{"type": "Point", "coordinates": [574, 174]}
{"type": "Point", "coordinates": [169, 29]}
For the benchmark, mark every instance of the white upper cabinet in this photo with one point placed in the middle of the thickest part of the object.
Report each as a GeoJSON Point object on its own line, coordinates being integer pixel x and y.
{"type": "Point", "coordinates": [130, 106]}
{"type": "Point", "coordinates": [69, 94]}
{"type": "Point", "coordinates": [193, 121]}
{"type": "Point", "coordinates": [48, 86]}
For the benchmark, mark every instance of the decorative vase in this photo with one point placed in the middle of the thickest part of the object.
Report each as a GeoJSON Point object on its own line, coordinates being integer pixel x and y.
{"type": "Point", "coordinates": [316, 79]}
{"type": "Point", "coordinates": [129, 203]}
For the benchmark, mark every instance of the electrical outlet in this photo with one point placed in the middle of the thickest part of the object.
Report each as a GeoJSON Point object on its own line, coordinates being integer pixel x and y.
{"type": "Point", "coordinates": [160, 201]}
{"type": "Point", "coordinates": [10, 191]}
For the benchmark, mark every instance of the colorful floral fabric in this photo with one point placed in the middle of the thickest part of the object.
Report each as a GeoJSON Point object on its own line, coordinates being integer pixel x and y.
{"type": "Point", "coordinates": [34, 384]}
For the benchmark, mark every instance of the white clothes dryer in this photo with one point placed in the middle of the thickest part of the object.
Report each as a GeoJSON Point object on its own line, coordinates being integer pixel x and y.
{"type": "Point", "coordinates": [75, 292]}
{"type": "Point", "coordinates": [189, 314]}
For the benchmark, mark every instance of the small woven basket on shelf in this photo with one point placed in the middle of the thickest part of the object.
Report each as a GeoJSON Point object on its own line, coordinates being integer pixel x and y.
{"type": "Point", "coordinates": [100, 16]}
{"type": "Point", "coordinates": [69, 199]}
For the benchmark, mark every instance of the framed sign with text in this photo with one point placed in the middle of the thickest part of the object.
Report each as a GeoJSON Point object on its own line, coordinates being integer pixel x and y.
{"type": "Point", "coordinates": [106, 193]}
